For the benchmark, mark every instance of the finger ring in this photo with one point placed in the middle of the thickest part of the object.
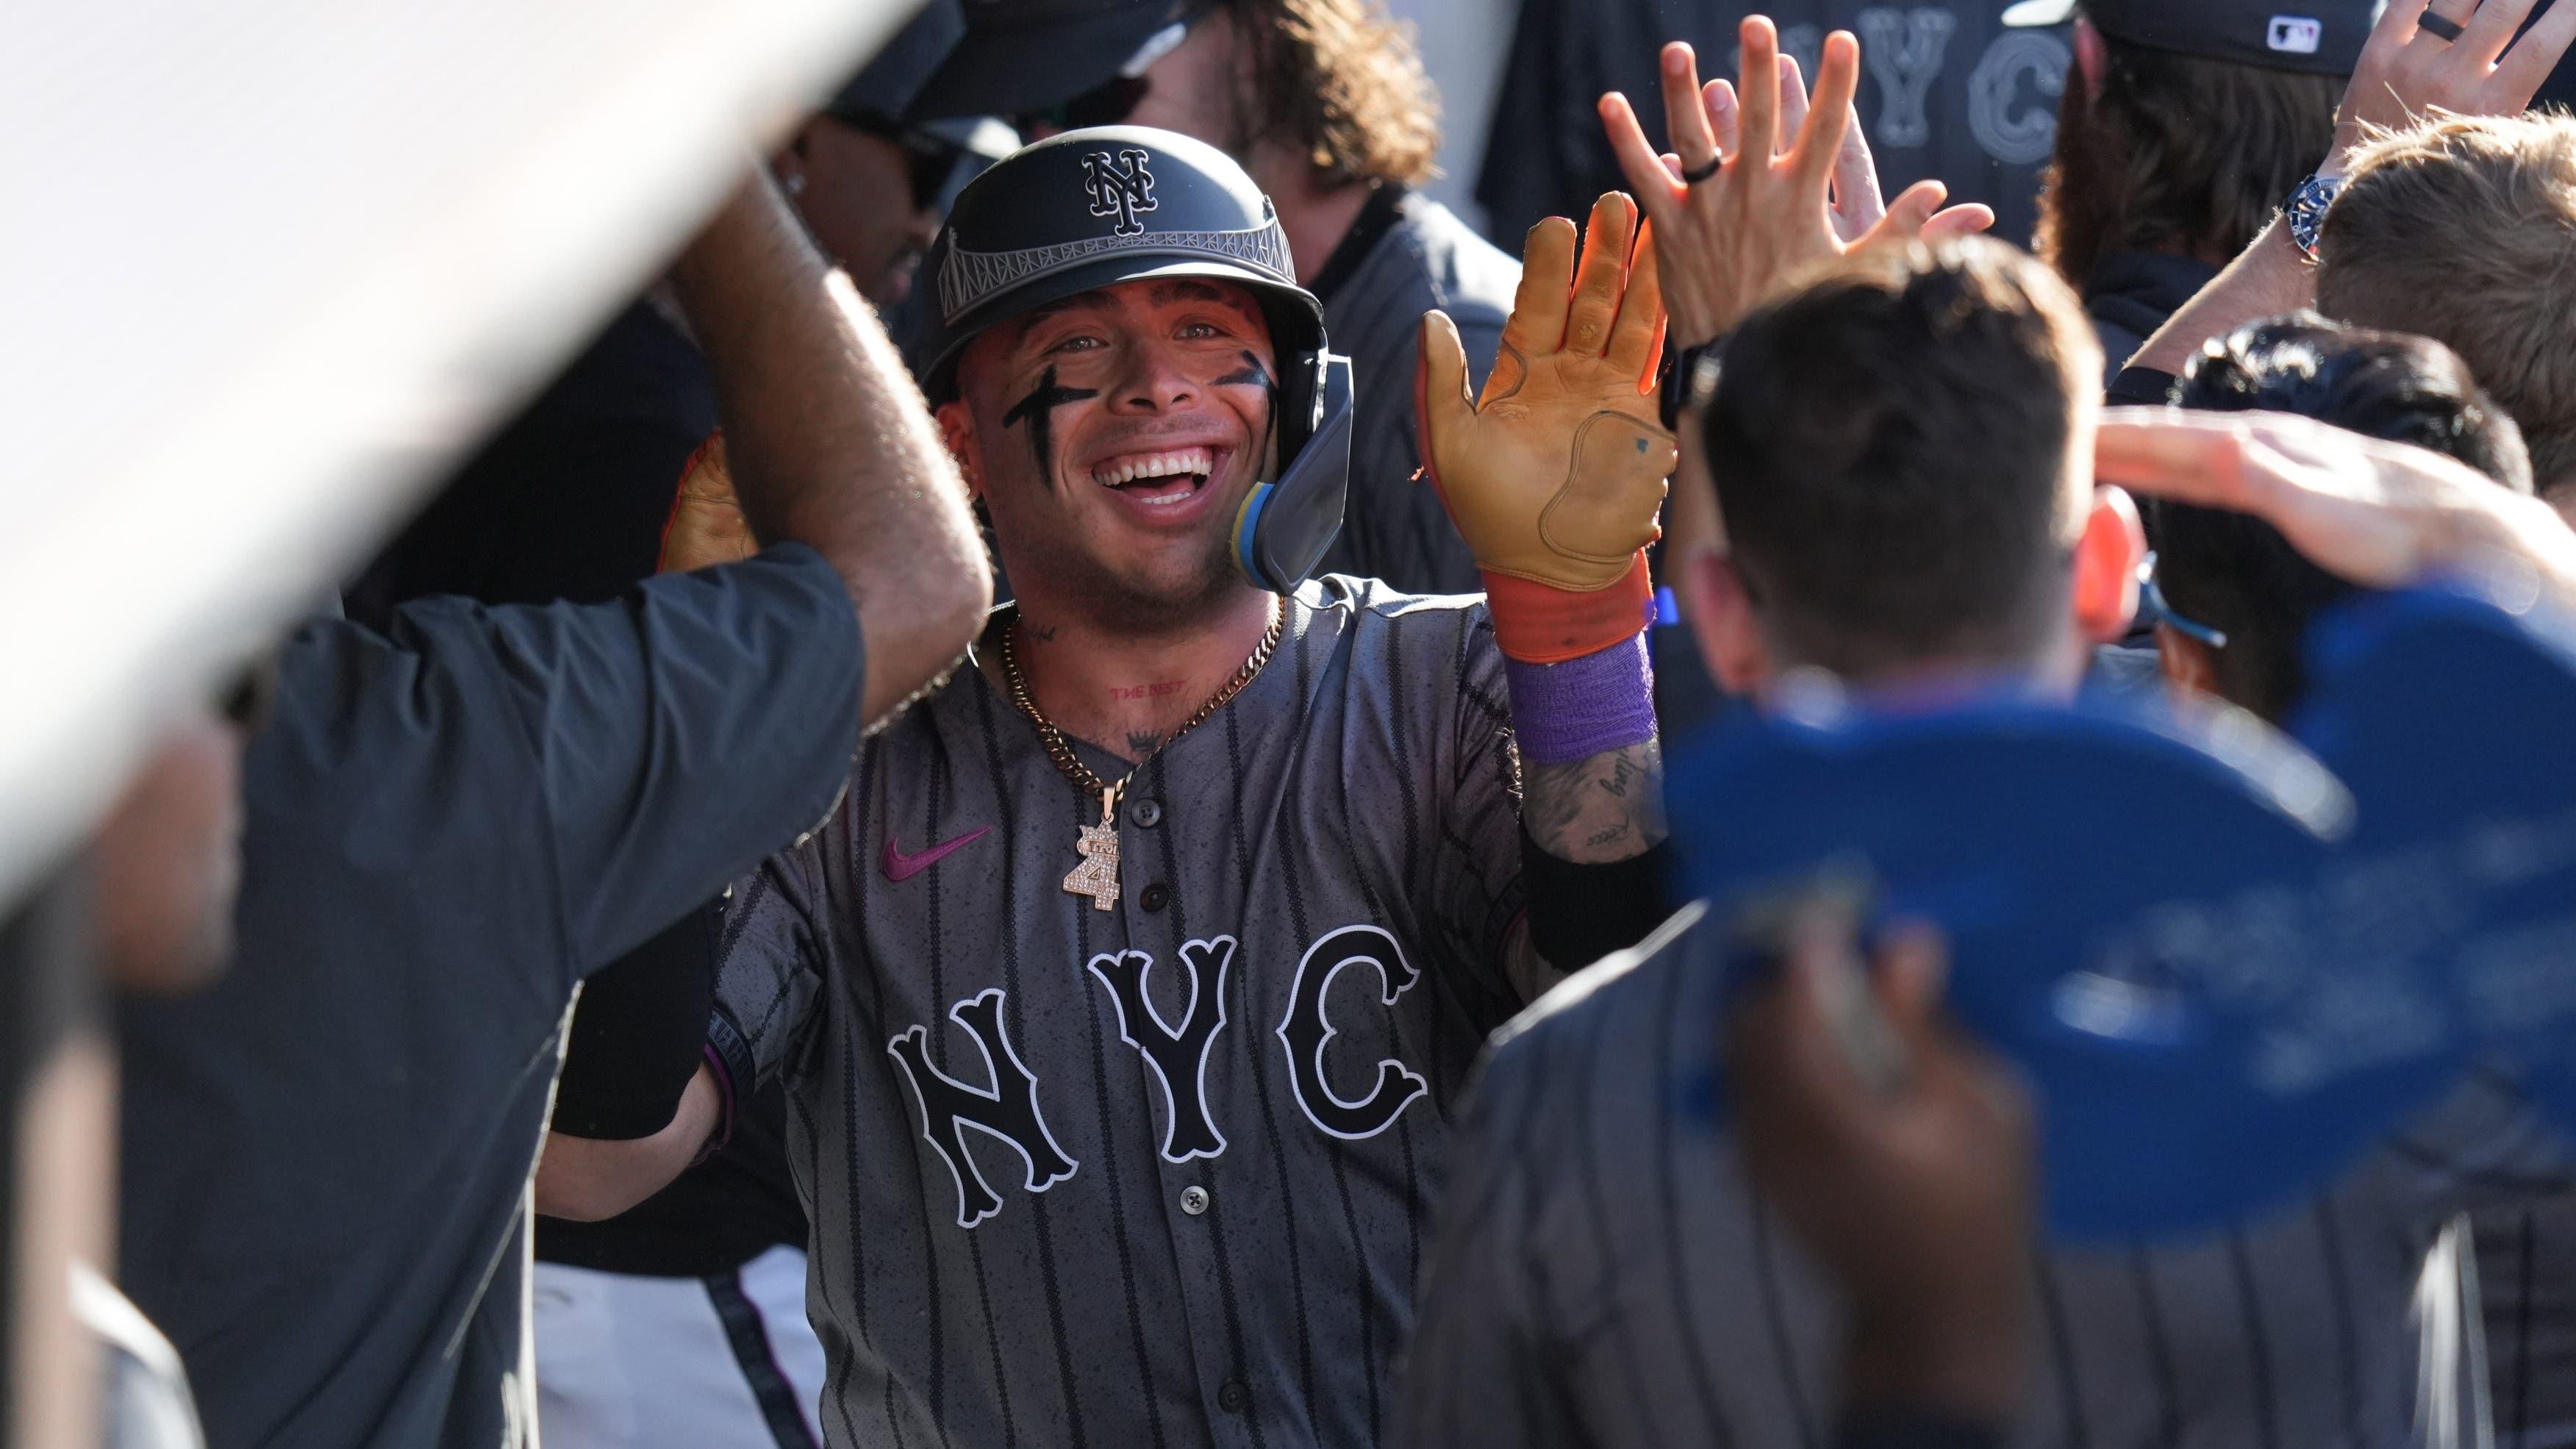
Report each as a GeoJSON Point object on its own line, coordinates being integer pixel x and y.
{"type": "Point", "coordinates": [1694, 175]}
{"type": "Point", "coordinates": [2440, 25]}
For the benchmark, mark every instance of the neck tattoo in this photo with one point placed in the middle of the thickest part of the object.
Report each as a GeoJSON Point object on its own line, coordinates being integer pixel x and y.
{"type": "Point", "coordinates": [1038, 411]}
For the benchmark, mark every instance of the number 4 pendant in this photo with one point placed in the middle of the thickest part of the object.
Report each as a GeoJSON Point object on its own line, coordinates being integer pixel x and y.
{"type": "Point", "coordinates": [1097, 876]}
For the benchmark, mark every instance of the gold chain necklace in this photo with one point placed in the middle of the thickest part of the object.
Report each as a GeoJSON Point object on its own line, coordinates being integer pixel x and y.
{"type": "Point", "coordinates": [1097, 876]}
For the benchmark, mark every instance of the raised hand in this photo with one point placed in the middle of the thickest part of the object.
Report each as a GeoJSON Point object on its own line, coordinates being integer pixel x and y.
{"type": "Point", "coordinates": [2376, 513]}
{"type": "Point", "coordinates": [1554, 477]}
{"type": "Point", "coordinates": [1856, 203]}
{"type": "Point", "coordinates": [1760, 212]}
{"type": "Point", "coordinates": [2408, 68]}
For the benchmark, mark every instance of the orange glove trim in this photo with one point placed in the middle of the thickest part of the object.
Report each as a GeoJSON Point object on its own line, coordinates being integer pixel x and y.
{"type": "Point", "coordinates": [1538, 623]}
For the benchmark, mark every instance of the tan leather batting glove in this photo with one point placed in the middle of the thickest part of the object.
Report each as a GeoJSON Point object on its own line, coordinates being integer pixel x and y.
{"type": "Point", "coordinates": [706, 525]}
{"type": "Point", "coordinates": [1555, 475]}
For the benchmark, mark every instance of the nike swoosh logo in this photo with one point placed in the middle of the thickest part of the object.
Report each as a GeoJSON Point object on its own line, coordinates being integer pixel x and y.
{"type": "Point", "coordinates": [899, 866]}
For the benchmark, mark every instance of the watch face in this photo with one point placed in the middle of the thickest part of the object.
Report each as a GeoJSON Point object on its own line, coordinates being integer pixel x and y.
{"type": "Point", "coordinates": [2307, 210]}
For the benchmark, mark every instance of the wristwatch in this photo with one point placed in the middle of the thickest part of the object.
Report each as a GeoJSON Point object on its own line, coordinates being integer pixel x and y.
{"type": "Point", "coordinates": [2306, 210]}
{"type": "Point", "coordinates": [1690, 380]}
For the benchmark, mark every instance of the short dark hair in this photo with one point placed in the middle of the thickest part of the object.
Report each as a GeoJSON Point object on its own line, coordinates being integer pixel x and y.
{"type": "Point", "coordinates": [1890, 444]}
{"type": "Point", "coordinates": [2234, 572]}
{"type": "Point", "coordinates": [2177, 153]}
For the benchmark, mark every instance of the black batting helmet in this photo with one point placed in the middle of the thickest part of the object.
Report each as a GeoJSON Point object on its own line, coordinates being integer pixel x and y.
{"type": "Point", "coordinates": [1093, 208]}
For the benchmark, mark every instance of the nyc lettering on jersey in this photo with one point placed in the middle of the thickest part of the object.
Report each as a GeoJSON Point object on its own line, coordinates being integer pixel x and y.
{"type": "Point", "coordinates": [1004, 1106]}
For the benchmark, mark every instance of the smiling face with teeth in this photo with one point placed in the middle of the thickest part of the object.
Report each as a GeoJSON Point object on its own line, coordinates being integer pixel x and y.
{"type": "Point", "coordinates": [1113, 436]}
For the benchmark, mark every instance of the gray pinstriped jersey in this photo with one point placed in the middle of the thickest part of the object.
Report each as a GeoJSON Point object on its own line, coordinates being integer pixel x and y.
{"type": "Point", "coordinates": [2526, 1256]}
{"type": "Point", "coordinates": [1604, 1276]}
{"type": "Point", "coordinates": [1394, 528]}
{"type": "Point", "coordinates": [1160, 1175]}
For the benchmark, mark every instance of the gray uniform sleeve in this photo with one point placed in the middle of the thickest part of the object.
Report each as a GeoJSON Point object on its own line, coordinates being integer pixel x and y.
{"type": "Point", "coordinates": [770, 964]}
{"type": "Point", "coordinates": [1479, 1373]}
{"type": "Point", "coordinates": [623, 759]}
{"type": "Point", "coordinates": [1476, 874]}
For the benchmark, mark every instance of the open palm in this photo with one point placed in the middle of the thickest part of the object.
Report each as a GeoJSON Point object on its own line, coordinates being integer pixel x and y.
{"type": "Point", "coordinates": [1556, 473]}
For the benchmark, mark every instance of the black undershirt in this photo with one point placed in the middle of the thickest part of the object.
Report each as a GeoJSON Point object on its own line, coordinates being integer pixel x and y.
{"type": "Point", "coordinates": [1385, 207]}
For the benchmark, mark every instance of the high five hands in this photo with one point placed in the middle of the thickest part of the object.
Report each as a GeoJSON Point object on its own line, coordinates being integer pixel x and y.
{"type": "Point", "coordinates": [1786, 181]}
{"type": "Point", "coordinates": [1555, 475]}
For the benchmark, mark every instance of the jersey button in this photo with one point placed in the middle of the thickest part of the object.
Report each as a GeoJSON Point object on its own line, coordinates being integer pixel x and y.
{"type": "Point", "coordinates": [1154, 897]}
{"type": "Point", "coordinates": [1194, 1200]}
{"type": "Point", "coordinates": [1146, 813]}
{"type": "Point", "coordinates": [1233, 1397]}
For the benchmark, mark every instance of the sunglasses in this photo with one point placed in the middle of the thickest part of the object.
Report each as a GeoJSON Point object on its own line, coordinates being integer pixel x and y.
{"type": "Point", "coordinates": [929, 162]}
{"type": "Point", "coordinates": [2154, 610]}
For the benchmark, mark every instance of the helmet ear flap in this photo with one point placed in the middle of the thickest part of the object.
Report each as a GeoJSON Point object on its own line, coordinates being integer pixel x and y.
{"type": "Point", "coordinates": [1284, 527]}
{"type": "Point", "coordinates": [1301, 401]}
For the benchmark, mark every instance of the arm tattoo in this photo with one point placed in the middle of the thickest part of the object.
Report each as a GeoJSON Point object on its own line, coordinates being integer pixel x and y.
{"type": "Point", "coordinates": [1605, 808]}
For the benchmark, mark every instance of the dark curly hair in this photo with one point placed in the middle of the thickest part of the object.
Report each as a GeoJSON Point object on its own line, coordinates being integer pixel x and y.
{"type": "Point", "coordinates": [2177, 154]}
{"type": "Point", "coordinates": [1343, 82]}
{"type": "Point", "coordinates": [2235, 572]}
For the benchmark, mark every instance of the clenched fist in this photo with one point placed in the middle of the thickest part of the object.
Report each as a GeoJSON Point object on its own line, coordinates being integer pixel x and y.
{"type": "Point", "coordinates": [1554, 477]}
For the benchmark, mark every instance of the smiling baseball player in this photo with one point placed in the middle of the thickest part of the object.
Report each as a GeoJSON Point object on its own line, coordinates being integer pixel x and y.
{"type": "Point", "coordinates": [1122, 1004]}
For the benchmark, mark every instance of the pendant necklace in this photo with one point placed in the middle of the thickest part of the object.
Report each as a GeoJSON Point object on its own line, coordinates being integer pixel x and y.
{"type": "Point", "coordinates": [1097, 876]}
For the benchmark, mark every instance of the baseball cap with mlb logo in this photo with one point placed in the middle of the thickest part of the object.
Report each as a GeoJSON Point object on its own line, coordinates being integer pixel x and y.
{"type": "Point", "coordinates": [2314, 37]}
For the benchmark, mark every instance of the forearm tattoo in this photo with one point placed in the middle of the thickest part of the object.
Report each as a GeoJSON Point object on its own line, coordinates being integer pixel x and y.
{"type": "Point", "coordinates": [1607, 807]}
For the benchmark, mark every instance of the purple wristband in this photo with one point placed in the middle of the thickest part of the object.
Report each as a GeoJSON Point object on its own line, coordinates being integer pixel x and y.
{"type": "Point", "coordinates": [1566, 712]}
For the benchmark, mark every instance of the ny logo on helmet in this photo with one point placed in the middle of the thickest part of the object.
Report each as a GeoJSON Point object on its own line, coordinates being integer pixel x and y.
{"type": "Point", "coordinates": [1120, 186]}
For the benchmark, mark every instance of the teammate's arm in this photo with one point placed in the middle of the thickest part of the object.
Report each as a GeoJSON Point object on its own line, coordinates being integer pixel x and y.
{"type": "Point", "coordinates": [590, 1178]}
{"type": "Point", "coordinates": [1600, 809]}
{"type": "Point", "coordinates": [829, 443]}
{"type": "Point", "coordinates": [2405, 72]}
{"type": "Point", "coordinates": [1554, 477]}
{"type": "Point", "coordinates": [766, 980]}
{"type": "Point", "coordinates": [2376, 513]}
